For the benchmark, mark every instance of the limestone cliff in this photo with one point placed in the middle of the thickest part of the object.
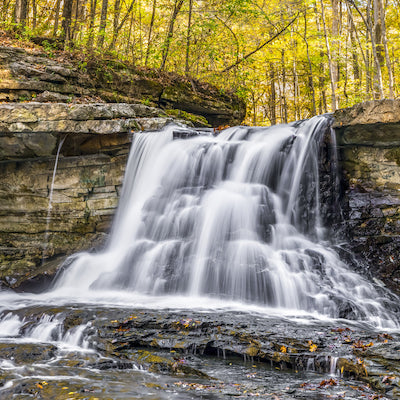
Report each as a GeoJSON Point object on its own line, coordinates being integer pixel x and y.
{"type": "Point", "coordinates": [93, 141]}
{"type": "Point", "coordinates": [369, 143]}
{"type": "Point", "coordinates": [27, 75]}
{"type": "Point", "coordinates": [35, 237]}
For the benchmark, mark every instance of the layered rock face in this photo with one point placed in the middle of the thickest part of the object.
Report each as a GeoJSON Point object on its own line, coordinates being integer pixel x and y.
{"type": "Point", "coordinates": [38, 227]}
{"type": "Point", "coordinates": [27, 76]}
{"type": "Point", "coordinates": [369, 142]}
{"type": "Point", "coordinates": [93, 142]}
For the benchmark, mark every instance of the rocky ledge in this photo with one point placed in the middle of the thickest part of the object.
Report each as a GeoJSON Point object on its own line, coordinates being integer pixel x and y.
{"type": "Point", "coordinates": [193, 354]}
{"type": "Point", "coordinates": [41, 220]}
{"type": "Point", "coordinates": [34, 75]}
{"type": "Point", "coordinates": [369, 149]}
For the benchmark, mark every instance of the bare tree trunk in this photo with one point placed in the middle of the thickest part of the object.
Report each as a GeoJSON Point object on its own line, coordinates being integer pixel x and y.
{"type": "Point", "coordinates": [355, 37]}
{"type": "Point", "coordinates": [21, 12]}
{"type": "Point", "coordinates": [128, 44]}
{"type": "Point", "coordinates": [103, 23]}
{"type": "Point", "coordinates": [66, 22]}
{"type": "Point", "coordinates": [368, 24]}
{"type": "Point", "coordinates": [117, 27]}
{"type": "Point", "coordinates": [117, 12]}
{"type": "Point", "coordinates": [153, 14]}
{"type": "Point", "coordinates": [272, 98]}
{"type": "Point", "coordinates": [311, 77]}
{"type": "Point", "coordinates": [34, 13]}
{"type": "Point", "coordinates": [387, 54]}
{"type": "Point", "coordinates": [56, 17]}
{"type": "Point", "coordinates": [92, 15]}
{"type": "Point", "coordinates": [335, 45]}
{"type": "Point", "coordinates": [295, 89]}
{"type": "Point", "coordinates": [284, 101]}
{"type": "Point", "coordinates": [254, 107]}
{"type": "Point", "coordinates": [188, 37]}
{"type": "Point", "coordinates": [378, 16]}
{"type": "Point", "coordinates": [167, 42]}
{"type": "Point", "coordinates": [330, 63]}
{"type": "Point", "coordinates": [76, 18]}
{"type": "Point", "coordinates": [177, 6]}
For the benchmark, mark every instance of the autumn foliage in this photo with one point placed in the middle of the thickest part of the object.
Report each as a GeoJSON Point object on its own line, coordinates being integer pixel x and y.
{"type": "Point", "coordinates": [289, 59]}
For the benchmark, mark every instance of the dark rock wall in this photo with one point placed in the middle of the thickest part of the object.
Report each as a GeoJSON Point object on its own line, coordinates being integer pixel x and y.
{"type": "Point", "coordinates": [369, 154]}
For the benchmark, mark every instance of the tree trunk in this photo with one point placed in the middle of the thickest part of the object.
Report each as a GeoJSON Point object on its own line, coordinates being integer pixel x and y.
{"type": "Point", "coordinates": [335, 45]}
{"type": "Point", "coordinates": [117, 12]}
{"type": "Point", "coordinates": [34, 13]}
{"type": "Point", "coordinates": [92, 15]}
{"type": "Point", "coordinates": [66, 22]}
{"type": "Point", "coordinates": [311, 76]}
{"type": "Point", "coordinates": [76, 18]}
{"type": "Point", "coordinates": [272, 97]}
{"type": "Point", "coordinates": [56, 17]}
{"type": "Point", "coordinates": [21, 12]}
{"type": "Point", "coordinates": [330, 63]}
{"type": "Point", "coordinates": [355, 37]}
{"type": "Point", "coordinates": [167, 42]}
{"type": "Point", "coordinates": [153, 14]}
{"type": "Point", "coordinates": [188, 37]}
{"type": "Point", "coordinates": [103, 23]}
{"type": "Point", "coordinates": [118, 26]}
{"type": "Point", "coordinates": [378, 17]}
{"type": "Point", "coordinates": [387, 54]}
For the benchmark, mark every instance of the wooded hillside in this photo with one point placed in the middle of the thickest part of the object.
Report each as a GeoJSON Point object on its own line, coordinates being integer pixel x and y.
{"type": "Point", "coordinates": [289, 59]}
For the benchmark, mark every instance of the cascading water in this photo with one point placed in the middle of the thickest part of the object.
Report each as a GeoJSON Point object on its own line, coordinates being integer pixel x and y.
{"type": "Point", "coordinates": [229, 224]}
{"type": "Point", "coordinates": [236, 216]}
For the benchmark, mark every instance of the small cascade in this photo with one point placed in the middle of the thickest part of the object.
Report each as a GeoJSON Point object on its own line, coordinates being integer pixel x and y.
{"type": "Point", "coordinates": [75, 336]}
{"type": "Point", "coordinates": [50, 206]}
{"type": "Point", "coordinates": [333, 365]}
{"type": "Point", "coordinates": [10, 325]}
{"type": "Point", "coordinates": [234, 217]}
{"type": "Point", "coordinates": [47, 329]}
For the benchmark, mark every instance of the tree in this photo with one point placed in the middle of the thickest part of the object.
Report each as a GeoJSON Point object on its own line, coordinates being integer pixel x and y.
{"type": "Point", "coordinates": [103, 22]}
{"type": "Point", "coordinates": [167, 43]}
{"type": "Point", "coordinates": [20, 12]}
{"type": "Point", "coordinates": [66, 21]}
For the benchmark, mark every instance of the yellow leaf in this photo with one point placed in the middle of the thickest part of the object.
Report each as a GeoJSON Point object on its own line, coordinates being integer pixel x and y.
{"type": "Point", "coordinates": [283, 349]}
{"type": "Point", "coordinates": [313, 348]}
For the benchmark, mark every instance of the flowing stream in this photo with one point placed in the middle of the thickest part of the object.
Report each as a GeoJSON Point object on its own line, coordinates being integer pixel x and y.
{"type": "Point", "coordinates": [210, 223]}
{"type": "Point", "coordinates": [233, 217]}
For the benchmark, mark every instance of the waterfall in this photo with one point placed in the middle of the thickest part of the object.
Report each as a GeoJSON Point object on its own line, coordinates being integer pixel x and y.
{"type": "Point", "coordinates": [235, 216]}
{"type": "Point", "coordinates": [50, 206]}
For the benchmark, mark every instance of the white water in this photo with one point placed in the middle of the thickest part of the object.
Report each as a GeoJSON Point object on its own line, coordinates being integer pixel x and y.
{"type": "Point", "coordinates": [230, 222]}
{"type": "Point", "coordinates": [234, 217]}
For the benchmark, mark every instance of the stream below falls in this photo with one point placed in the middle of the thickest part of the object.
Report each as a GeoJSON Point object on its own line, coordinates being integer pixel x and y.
{"type": "Point", "coordinates": [221, 278]}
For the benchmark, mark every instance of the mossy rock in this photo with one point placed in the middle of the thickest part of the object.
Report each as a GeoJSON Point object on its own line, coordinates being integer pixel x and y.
{"type": "Point", "coordinates": [196, 120]}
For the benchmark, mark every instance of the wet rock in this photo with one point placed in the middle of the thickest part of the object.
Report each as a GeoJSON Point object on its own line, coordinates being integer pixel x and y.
{"type": "Point", "coordinates": [27, 353]}
{"type": "Point", "coordinates": [369, 139]}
